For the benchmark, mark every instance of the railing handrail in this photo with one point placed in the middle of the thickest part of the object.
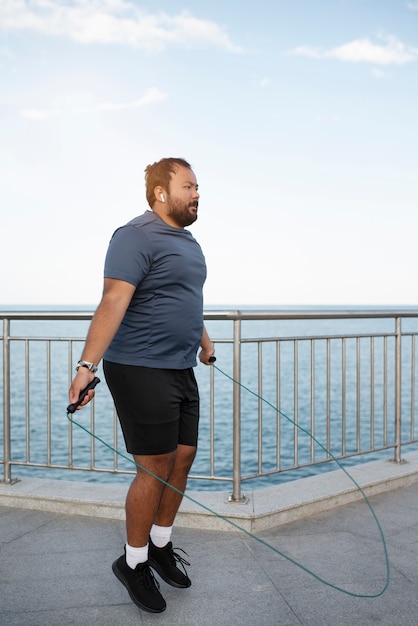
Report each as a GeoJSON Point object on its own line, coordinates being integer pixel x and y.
{"type": "Point", "coordinates": [236, 316]}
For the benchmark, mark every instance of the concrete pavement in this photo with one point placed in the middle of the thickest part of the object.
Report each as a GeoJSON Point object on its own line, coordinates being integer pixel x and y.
{"type": "Point", "coordinates": [55, 568]}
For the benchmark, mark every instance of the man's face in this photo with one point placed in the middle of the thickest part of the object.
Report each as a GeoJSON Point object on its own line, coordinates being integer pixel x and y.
{"type": "Point", "coordinates": [183, 197]}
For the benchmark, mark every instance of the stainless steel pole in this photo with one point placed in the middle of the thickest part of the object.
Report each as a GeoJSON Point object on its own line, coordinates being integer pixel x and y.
{"type": "Point", "coordinates": [398, 337]}
{"type": "Point", "coordinates": [236, 400]}
{"type": "Point", "coordinates": [6, 401]}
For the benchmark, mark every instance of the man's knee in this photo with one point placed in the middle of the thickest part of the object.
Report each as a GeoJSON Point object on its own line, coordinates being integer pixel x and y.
{"type": "Point", "coordinates": [160, 465]}
{"type": "Point", "coordinates": [185, 456]}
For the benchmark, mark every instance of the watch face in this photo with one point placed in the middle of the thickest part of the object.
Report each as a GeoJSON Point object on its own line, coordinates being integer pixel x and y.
{"type": "Point", "coordinates": [89, 366]}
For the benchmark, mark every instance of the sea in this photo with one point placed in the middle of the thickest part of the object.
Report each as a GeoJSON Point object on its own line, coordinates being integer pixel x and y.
{"type": "Point", "coordinates": [49, 423]}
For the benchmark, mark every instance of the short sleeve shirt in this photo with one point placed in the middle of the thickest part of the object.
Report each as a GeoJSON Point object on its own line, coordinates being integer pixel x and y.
{"type": "Point", "coordinates": [163, 324]}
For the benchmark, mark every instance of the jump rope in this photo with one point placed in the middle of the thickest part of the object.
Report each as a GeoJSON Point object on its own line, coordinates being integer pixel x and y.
{"type": "Point", "coordinates": [72, 408]}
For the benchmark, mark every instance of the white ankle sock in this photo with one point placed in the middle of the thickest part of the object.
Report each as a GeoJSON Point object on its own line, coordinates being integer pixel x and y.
{"type": "Point", "coordinates": [160, 535]}
{"type": "Point", "coordinates": [136, 555]}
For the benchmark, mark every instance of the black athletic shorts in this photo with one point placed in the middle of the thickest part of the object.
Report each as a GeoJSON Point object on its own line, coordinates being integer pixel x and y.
{"type": "Point", "coordinates": [157, 408]}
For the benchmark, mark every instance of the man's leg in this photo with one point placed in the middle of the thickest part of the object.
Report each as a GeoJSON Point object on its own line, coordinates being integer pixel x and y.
{"type": "Point", "coordinates": [162, 556]}
{"type": "Point", "coordinates": [144, 496]}
{"type": "Point", "coordinates": [171, 499]}
{"type": "Point", "coordinates": [142, 501]}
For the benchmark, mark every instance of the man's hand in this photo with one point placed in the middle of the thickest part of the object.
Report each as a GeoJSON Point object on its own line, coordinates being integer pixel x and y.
{"type": "Point", "coordinates": [206, 354]}
{"type": "Point", "coordinates": [207, 349]}
{"type": "Point", "coordinates": [80, 382]}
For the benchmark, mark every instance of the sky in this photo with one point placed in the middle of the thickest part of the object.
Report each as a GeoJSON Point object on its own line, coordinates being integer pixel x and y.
{"type": "Point", "coordinates": [299, 118]}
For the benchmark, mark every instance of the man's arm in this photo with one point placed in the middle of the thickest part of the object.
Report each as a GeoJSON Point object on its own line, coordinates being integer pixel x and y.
{"type": "Point", "coordinates": [117, 295]}
{"type": "Point", "coordinates": [207, 350]}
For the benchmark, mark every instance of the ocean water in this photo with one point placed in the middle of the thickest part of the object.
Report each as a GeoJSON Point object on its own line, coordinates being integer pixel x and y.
{"type": "Point", "coordinates": [48, 422]}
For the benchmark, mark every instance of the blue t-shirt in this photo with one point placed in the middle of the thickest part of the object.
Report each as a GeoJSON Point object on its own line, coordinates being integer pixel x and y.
{"type": "Point", "coordinates": [163, 324]}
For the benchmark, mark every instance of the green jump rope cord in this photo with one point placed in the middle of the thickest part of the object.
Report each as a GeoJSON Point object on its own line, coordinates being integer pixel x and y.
{"type": "Point", "coordinates": [247, 532]}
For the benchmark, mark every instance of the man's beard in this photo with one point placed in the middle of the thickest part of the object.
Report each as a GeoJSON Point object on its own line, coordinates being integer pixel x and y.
{"type": "Point", "coordinates": [182, 213]}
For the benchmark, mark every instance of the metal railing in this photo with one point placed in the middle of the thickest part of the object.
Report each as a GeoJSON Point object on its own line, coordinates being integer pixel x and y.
{"type": "Point", "coordinates": [290, 390]}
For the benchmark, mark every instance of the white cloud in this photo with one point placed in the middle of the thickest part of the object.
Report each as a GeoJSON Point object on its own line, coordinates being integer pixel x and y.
{"type": "Point", "coordinates": [111, 21]}
{"type": "Point", "coordinates": [392, 52]}
{"type": "Point", "coordinates": [378, 73]}
{"type": "Point", "coordinates": [412, 5]}
{"type": "Point", "coordinates": [38, 115]}
{"type": "Point", "coordinates": [151, 96]}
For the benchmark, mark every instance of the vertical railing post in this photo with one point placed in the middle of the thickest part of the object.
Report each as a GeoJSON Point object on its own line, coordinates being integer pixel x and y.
{"type": "Point", "coordinates": [398, 337]}
{"type": "Point", "coordinates": [6, 401]}
{"type": "Point", "coordinates": [236, 402]}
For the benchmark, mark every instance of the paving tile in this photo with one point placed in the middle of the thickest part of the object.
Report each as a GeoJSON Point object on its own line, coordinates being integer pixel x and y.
{"type": "Point", "coordinates": [56, 569]}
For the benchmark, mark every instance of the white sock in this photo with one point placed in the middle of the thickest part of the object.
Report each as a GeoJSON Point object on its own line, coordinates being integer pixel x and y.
{"type": "Point", "coordinates": [136, 555]}
{"type": "Point", "coordinates": [160, 535]}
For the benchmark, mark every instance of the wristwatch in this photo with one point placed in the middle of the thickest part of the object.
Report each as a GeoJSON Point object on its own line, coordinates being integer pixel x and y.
{"type": "Point", "coordinates": [90, 366]}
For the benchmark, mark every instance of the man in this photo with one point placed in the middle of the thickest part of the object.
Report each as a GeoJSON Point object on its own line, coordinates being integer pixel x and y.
{"type": "Point", "coordinates": [148, 328]}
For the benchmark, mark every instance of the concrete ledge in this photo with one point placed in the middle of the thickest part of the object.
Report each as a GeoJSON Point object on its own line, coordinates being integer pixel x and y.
{"type": "Point", "coordinates": [266, 508]}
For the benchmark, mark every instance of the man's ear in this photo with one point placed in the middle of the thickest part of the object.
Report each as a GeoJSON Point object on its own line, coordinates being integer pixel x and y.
{"type": "Point", "coordinates": [159, 193]}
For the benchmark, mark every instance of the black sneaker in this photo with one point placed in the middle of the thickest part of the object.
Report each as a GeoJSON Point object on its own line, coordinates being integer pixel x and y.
{"type": "Point", "coordinates": [165, 560]}
{"type": "Point", "coordinates": [141, 585]}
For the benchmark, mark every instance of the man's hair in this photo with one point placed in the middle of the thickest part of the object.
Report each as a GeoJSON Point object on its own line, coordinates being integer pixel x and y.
{"type": "Point", "coordinates": [159, 174]}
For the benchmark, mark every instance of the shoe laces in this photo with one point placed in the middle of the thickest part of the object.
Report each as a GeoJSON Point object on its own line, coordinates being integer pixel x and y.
{"type": "Point", "coordinates": [147, 577]}
{"type": "Point", "coordinates": [177, 558]}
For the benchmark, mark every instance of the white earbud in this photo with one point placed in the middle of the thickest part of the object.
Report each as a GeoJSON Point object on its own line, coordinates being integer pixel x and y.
{"type": "Point", "coordinates": [162, 197]}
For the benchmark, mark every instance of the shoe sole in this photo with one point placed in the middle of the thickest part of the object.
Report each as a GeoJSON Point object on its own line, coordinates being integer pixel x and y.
{"type": "Point", "coordinates": [135, 600]}
{"type": "Point", "coordinates": [168, 580]}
